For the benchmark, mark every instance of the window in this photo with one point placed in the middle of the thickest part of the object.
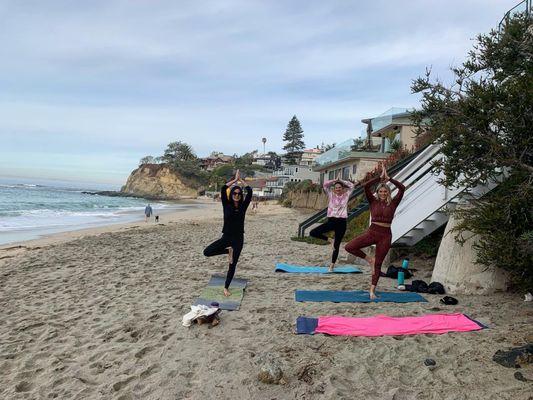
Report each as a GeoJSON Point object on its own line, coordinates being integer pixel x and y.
{"type": "Point", "coordinates": [331, 175]}
{"type": "Point", "coordinates": [346, 173]}
{"type": "Point", "coordinates": [354, 170]}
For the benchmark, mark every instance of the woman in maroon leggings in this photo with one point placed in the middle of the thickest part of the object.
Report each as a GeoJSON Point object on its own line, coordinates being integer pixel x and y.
{"type": "Point", "coordinates": [382, 210]}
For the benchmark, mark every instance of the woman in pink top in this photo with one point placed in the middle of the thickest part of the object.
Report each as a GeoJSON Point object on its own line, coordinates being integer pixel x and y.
{"type": "Point", "coordinates": [338, 192]}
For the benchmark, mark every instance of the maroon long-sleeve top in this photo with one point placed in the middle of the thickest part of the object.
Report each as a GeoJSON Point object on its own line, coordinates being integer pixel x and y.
{"type": "Point", "coordinates": [379, 209]}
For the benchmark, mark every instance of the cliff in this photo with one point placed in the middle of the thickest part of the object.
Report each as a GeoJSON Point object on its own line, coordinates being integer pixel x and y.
{"type": "Point", "coordinates": [157, 181]}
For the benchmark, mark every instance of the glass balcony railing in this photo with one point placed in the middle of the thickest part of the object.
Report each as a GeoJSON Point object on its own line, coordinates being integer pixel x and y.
{"type": "Point", "coordinates": [522, 7]}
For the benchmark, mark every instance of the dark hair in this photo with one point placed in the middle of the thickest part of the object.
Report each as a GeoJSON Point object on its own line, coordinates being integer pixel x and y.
{"type": "Point", "coordinates": [339, 182]}
{"type": "Point", "coordinates": [232, 189]}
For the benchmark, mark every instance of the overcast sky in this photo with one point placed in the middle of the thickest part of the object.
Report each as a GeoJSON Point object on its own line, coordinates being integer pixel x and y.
{"type": "Point", "coordinates": [87, 88]}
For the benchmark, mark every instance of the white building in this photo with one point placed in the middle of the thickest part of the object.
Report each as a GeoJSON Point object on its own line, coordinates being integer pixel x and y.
{"type": "Point", "coordinates": [291, 173]}
{"type": "Point", "coordinates": [309, 155]}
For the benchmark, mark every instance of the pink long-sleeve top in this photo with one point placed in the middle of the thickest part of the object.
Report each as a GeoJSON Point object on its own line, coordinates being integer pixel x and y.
{"type": "Point", "coordinates": [380, 210]}
{"type": "Point", "coordinates": [338, 205]}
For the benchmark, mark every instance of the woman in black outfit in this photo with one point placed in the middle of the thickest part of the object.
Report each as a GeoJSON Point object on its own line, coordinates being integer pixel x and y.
{"type": "Point", "coordinates": [232, 238]}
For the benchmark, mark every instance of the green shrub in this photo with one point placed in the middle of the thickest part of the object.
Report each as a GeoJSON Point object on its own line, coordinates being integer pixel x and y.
{"type": "Point", "coordinates": [357, 226]}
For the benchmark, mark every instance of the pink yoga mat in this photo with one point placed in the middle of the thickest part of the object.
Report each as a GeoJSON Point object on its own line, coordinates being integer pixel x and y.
{"type": "Point", "coordinates": [382, 325]}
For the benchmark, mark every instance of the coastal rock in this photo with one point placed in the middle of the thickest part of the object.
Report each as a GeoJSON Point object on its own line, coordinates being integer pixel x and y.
{"type": "Point", "coordinates": [515, 358]}
{"type": "Point", "coordinates": [456, 267]}
{"type": "Point", "coordinates": [157, 181]}
{"type": "Point", "coordinates": [269, 369]}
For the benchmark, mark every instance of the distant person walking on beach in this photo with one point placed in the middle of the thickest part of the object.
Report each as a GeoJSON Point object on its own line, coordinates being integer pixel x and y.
{"type": "Point", "coordinates": [255, 204]}
{"type": "Point", "coordinates": [147, 212]}
{"type": "Point", "coordinates": [338, 192]}
{"type": "Point", "coordinates": [382, 208]}
{"type": "Point", "coordinates": [234, 207]}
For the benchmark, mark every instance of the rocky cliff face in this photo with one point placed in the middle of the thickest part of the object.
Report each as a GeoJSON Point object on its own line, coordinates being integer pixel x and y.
{"type": "Point", "coordinates": [155, 181]}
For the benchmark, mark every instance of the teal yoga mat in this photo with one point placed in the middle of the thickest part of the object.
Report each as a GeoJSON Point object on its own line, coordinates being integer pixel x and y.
{"type": "Point", "coordinates": [356, 296]}
{"type": "Point", "coordinates": [303, 269]}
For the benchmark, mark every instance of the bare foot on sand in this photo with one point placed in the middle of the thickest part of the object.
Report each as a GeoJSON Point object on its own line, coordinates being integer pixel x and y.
{"type": "Point", "coordinates": [227, 293]}
{"type": "Point", "coordinates": [331, 267]}
{"type": "Point", "coordinates": [373, 295]}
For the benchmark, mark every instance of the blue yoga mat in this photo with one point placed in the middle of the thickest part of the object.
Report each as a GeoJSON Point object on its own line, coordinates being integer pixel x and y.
{"type": "Point", "coordinates": [302, 269]}
{"type": "Point", "coordinates": [306, 325]}
{"type": "Point", "coordinates": [357, 296]}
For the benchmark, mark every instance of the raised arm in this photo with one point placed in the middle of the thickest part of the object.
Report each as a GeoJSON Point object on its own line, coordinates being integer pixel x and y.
{"type": "Point", "coordinates": [235, 179]}
{"type": "Point", "coordinates": [224, 194]}
{"type": "Point", "coordinates": [348, 184]}
{"type": "Point", "coordinates": [401, 191]}
{"type": "Point", "coordinates": [368, 189]}
{"type": "Point", "coordinates": [248, 198]}
{"type": "Point", "coordinates": [328, 184]}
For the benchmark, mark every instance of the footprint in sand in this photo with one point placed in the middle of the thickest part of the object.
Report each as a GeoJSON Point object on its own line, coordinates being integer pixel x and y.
{"type": "Point", "coordinates": [23, 386]}
{"type": "Point", "coordinates": [142, 352]}
{"type": "Point", "coordinates": [153, 369]}
{"type": "Point", "coordinates": [119, 385]}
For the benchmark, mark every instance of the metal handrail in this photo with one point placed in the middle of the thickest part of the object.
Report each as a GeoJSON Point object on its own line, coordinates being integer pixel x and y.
{"type": "Point", "coordinates": [362, 206]}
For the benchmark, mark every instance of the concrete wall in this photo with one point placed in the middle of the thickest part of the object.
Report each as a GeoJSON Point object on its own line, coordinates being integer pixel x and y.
{"type": "Point", "coordinates": [362, 166]}
{"type": "Point", "coordinates": [456, 270]}
{"type": "Point", "coordinates": [408, 136]}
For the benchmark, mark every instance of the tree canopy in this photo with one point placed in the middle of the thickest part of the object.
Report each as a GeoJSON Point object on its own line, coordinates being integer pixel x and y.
{"type": "Point", "coordinates": [483, 122]}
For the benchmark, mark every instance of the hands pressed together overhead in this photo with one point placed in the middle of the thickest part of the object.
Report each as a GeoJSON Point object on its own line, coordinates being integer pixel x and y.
{"type": "Point", "coordinates": [384, 175]}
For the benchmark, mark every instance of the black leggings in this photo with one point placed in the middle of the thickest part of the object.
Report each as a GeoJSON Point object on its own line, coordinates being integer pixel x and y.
{"type": "Point", "coordinates": [333, 224]}
{"type": "Point", "coordinates": [220, 246]}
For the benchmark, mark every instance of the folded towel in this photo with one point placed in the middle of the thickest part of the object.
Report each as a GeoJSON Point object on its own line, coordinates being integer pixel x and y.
{"type": "Point", "coordinates": [197, 311]}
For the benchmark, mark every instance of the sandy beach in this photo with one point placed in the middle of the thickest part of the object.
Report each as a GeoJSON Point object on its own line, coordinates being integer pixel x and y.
{"type": "Point", "coordinates": [97, 315]}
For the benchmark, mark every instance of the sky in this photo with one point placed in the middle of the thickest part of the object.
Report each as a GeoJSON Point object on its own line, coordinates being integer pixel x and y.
{"type": "Point", "coordinates": [89, 88]}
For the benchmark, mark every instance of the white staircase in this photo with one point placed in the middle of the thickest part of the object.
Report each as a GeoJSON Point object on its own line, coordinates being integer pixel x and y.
{"type": "Point", "coordinates": [426, 203]}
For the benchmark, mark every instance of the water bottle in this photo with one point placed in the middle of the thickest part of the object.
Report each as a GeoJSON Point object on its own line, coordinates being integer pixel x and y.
{"type": "Point", "coordinates": [401, 274]}
{"type": "Point", "coordinates": [401, 278]}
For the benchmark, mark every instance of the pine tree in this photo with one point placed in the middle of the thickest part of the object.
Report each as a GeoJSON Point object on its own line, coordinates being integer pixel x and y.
{"type": "Point", "coordinates": [293, 136]}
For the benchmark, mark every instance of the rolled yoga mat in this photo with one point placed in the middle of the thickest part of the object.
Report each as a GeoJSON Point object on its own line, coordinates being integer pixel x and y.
{"type": "Point", "coordinates": [303, 269]}
{"type": "Point", "coordinates": [214, 292]}
{"type": "Point", "coordinates": [356, 296]}
{"type": "Point", "coordinates": [383, 325]}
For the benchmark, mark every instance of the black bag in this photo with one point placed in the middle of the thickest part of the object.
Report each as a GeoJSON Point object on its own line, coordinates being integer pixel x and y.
{"type": "Point", "coordinates": [436, 288]}
{"type": "Point", "coordinates": [392, 272]}
{"type": "Point", "coordinates": [417, 286]}
{"type": "Point", "coordinates": [449, 301]}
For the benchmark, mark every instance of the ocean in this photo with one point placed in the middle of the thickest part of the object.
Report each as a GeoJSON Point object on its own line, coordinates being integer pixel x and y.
{"type": "Point", "coordinates": [30, 210]}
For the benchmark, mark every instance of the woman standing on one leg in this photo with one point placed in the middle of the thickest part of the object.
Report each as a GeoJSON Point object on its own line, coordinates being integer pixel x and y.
{"type": "Point", "coordinates": [338, 192]}
{"type": "Point", "coordinates": [382, 211]}
{"type": "Point", "coordinates": [232, 239]}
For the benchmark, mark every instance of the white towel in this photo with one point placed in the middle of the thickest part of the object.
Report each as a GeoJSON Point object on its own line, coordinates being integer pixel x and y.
{"type": "Point", "coordinates": [198, 311]}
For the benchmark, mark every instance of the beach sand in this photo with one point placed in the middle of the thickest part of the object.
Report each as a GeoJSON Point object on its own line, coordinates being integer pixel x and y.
{"type": "Point", "coordinates": [97, 315]}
